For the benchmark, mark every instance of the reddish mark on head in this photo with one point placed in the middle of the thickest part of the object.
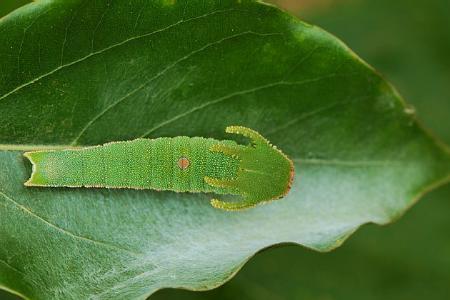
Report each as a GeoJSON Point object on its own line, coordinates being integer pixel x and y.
{"type": "Point", "coordinates": [183, 163]}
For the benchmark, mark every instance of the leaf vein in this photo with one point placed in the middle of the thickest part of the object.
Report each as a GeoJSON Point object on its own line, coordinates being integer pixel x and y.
{"type": "Point", "coordinates": [63, 46]}
{"type": "Point", "coordinates": [19, 54]}
{"type": "Point", "coordinates": [99, 23]}
{"type": "Point", "coordinates": [159, 74]}
{"type": "Point", "coordinates": [113, 46]}
{"type": "Point", "coordinates": [315, 113]}
{"type": "Point", "coordinates": [232, 95]}
{"type": "Point", "coordinates": [10, 267]}
{"type": "Point", "coordinates": [29, 212]}
{"type": "Point", "coordinates": [346, 163]}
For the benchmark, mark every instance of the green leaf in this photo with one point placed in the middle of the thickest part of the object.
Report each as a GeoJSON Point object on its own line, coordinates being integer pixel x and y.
{"type": "Point", "coordinates": [87, 72]}
{"type": "Point", "coordinates": [405, 261]}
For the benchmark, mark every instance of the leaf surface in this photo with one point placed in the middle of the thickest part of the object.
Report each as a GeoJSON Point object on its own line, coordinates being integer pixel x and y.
{"type": "Point", "coordinates": [79, 73]}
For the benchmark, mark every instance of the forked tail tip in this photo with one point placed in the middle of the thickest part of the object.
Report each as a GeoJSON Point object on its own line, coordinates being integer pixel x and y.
{"type": "Point", "coordinates": [31, 181]}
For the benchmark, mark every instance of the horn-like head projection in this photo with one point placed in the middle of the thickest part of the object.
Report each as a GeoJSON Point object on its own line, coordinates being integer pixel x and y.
{"type": "Point", "coordinates": [264, 172]}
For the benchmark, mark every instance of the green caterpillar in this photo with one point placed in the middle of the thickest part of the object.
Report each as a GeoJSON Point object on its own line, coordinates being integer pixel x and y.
{"type": "Point", "coordinates": [255, 173]}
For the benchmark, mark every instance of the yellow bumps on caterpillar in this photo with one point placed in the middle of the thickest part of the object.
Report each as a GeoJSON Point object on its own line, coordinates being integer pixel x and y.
{"type": "Point", "coordinates": [253, 173]}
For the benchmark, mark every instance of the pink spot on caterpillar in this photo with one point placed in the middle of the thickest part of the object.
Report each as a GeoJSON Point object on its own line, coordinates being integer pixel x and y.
{"type": "Point", "coordinates": [183, 163]}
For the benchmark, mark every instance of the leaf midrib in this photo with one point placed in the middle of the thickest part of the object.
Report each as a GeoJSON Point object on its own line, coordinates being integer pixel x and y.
{"type": "Point", "coordinates": [312, 161]}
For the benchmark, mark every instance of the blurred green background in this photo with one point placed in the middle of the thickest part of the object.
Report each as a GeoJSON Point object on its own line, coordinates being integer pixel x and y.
{"type": "Point", "coordinates": [408, 41]}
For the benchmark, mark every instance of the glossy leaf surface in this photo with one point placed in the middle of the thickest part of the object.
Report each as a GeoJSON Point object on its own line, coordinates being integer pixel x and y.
{"type": "Point", "coordinates": [85, 73]}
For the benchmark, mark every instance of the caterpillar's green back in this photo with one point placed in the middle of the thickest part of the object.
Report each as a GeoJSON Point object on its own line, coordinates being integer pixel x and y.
{"type": "Point", "coordinates": [258, 172]}
{"type": "Point", "coordinates": [139, 164]}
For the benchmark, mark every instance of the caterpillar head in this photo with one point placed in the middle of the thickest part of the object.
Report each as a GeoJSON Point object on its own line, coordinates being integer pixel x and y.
{"type": "Point", "coordinates": [264, 173]}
